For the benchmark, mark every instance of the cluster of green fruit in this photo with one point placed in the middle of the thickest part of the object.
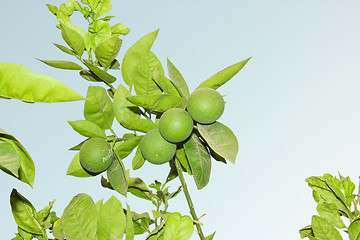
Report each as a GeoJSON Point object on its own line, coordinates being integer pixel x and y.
{"type": "Point", "coordinates": [205, 106]}
{"type": "Point", "coordinates": [158, 146]}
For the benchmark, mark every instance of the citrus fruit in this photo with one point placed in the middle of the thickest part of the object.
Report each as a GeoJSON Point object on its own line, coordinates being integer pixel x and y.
{"type": "Point", "coordinates": [205, 105]}
{"type": "Point", "coordinates": [155, 148]}
{"type": "Point", "coordinates": [175, 125]}
{"type": "Point", "coordinates": [96, 155]}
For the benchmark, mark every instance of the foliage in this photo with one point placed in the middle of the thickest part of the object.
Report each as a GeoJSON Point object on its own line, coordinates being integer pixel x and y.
{"type": "Point", "coordinates": [137, 105]}
{"type": "Point", "coordinates": [337, 206]}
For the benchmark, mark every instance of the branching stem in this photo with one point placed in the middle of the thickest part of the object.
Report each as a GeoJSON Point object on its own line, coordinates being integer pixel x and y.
{"type": "Point", "coordinates": [188, 199]}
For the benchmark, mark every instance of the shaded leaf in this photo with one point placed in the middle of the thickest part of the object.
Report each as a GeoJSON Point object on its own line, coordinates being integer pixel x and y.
{"type": "Point", "coordinates": [18, 82]}
{"type": "Point", "coordinates": [221, 140]}
{"type": "Point", "coordinates": [107, 50]}
{"type": "Point", "coordinates": [129, 224]}
{"type": "Point", "coordinates": [138, 160]}
{"type": "Point", "coordinates": [199, 160]}
{"type": "Point", "coordinates": [354, 230]}
{"type": "Point", "coordinates": [125, 148]}
{"type": "Point", "coordinates": [117, 177]}
{"type": "Point", "coordinates": [101, 74]}
{"type": "Point", "coordinates": [210, 237]}
{"type": "Point", "coordinates": [9, 159]}
{"type": "Point", "coordinates": [65, 49]}
{"type": "Point", "coordinates": [165, 84]}
{"type": "Point", "coordinates": [73, 39]}
{"type": "Point", "coordinates": [123, 109]}
{"type": "Point", "coordinates": [142, 125]}
{"type": "Point", "coordinates": [119, 29]}
{"type": "Point", "coordinates": [157, 103]}
{"type": "Point", "coordinates": [323, 230]}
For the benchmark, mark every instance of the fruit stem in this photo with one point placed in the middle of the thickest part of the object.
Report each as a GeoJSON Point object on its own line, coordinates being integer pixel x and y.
{"type": "Point", "coordinates": [188, 198]}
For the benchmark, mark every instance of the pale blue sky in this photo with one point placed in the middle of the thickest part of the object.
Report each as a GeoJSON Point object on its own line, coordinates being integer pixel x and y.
{"type": "Point", "coordinates": [294, 107]}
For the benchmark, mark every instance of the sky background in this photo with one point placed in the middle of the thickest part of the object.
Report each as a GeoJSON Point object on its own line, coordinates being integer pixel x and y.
{"type": "Point", "coordinates": [294, 107]}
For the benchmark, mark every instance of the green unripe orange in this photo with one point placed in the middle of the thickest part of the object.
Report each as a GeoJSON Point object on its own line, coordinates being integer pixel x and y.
{"type": "Point", "coordinates": [175, 125]}
{"type": "Point", "coordinates": [205, 105]}
{"type": "Point", "coordinates": [96, 155]}
{"type": "Point", "coordinates": [155, 148]}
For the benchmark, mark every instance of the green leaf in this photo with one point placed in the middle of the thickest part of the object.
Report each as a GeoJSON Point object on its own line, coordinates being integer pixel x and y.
{"type": "Point", "coordinates": [101, 74]}
{"type": "Point", "coordinates": [210, 237]}
{"type": "Point", "coordinates": [26, 171]}
{"type": "Point", "coordinates": [354, 230]}
{"type": "Point", "coordinates": [178, 80]}
{"type": "Point", "coordinates": [331, 213]}
{"type": "Point", "coordinates": [323, 230]}
{"type": "Point", "coordinates": [157, 103]}
{"type": "Point", "coordinates": [327, 193]}
{"type": "Point", "coordinates": [125, 148]}
{"type": "Point", "coordinates": [119, 29]}
{"type": "Point", "coordinates": [73, 39]}
{"type": "Point", "coordinates": [99, 30]}
{"type": "Point", "coordinates": [224, 75]}
{"type": "Point", "coordinates": [178, 227]}
{"type": "Point", "coordinates": [107, 50]}
{"type": "Point", "coordinates": [89, 76]}
{"type": "Point", "coordinates": [9, 159]}
{"type": "Point", "coordinates": [44, 213]}
{"type": "Point", "coordinates": [62, 64]}
{"type": "Point", "coordinates": [111, 221]}
{"type": "Point", "coordinates": [129, 224]}
{"type": "Point", "coordinates": [57, 230]}
{"type": "Point", "coordinates": [180, 154]}
{"type": "Point", "coordinates": [221, 140]}
{"type": "Point", "coordinates": [65, 49]}
{"type": "Point", "coordinates": [24, 235]}
{"type": "Point", "coordinates": [18, 82]}
{"type": "Point", "coordinates": [87, 128]}
{"type": "Point", "coordinates": [75, 169]}
{"type": "Point", "coordinates": [79, 220]}
{"type": "Point", "coordinates": [143, 83]}
{"type": "Point", "coordinates": [134, 55]}
{"type": "Point", "coordinates": [142, 125]}
{"type": "Point", "coordinates": [199, 160]}
{"type": "Point", "coordinates": [165, 84]}
{"type": "Point", "coordinates": [25, 214]}
{"type": "Point", "coordinates": [138, 160]}
{"type": "Point", "coordinates": [98, 107]}
{"type": "Point", "coordinates": [117, 177]}
{"type": "Point", "coordinates": [138, 188]}
{"type": "Point", "coordinates": [102, 8]}
{"type": "Point", "coordinates": [123, 109]}
{"type": "Point", "coordinates": [307, 232]}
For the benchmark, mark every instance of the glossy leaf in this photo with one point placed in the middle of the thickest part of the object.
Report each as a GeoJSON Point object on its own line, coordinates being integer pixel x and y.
{"type": "Point", "coordinates": [134, 55]}
{"type": "Point", "coordinates": [98, 107]}
{"type": "Point", "coordinates": [119, 29]}
{"type": "Point", "coordinates": [224, 75]}
{"type": "Point", "coordinates": [79, 220]}
{"type": "Point", "coordinates": [138, 160]}
{"type": "Point", "coordinates": [129, 224]}
{"type": "Point", "coordinates": [178, 227]}
{"type": "Point", "coordinates": [199, 160]}
{"type": "Point", "coordinates": [165, 84]}
{"type": "Point", "coordinates": [117, 177]}
{"type": "Point", "coordinates": [111, 221]}
{"type": "Point", "coordinates": [125, 148]}
{"type": "Point", "coordinates": [73, 39]}
{"type": "Point", "coordinates": [98, 31]}
{"type": "Point", "coordinates": [62, 64]}
{"type": "Point", "coordinates": [143, 83]}
{"type": "Point", "coordinates": [157, 103]}
{"type": "Point", "coordinates": [354, 230]}
{"type": "Point", "coordinates": [178, 80]}
{"type": "Point", "coordinates": [107, 50]}
{"type": "Point", "coordinates": [221, 140]}
{"type": "Point", "coordinates": [26, 171]}
{"type": "Point", "coordinates": [323, 230]}
{"type": "Point", "coordinates": [9, 159]}
{"type": "Point", "coordinates": [101, 74]}
{"type": "Point", "coordinates": [123, 109]}
{"type": "Point", "coordinates": [18, 82]}
{"type": "Point", "coordinates": [75, 169]}
{"type": "Point", "coordinates": [24, 213]}
{"type": "Point", "coordinates": [87, 128]}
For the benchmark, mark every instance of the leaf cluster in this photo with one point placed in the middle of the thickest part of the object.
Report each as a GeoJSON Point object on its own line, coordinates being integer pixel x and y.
{"type": "Point", "coordinates": [336, 201]}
